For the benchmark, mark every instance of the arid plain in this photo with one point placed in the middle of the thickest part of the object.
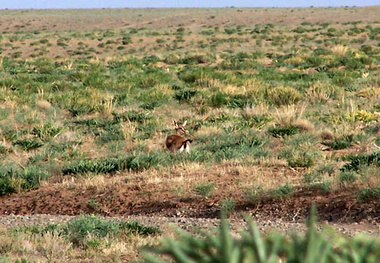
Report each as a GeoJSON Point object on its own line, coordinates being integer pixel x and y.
{"type": "Point", "coordinates": [282, 105]}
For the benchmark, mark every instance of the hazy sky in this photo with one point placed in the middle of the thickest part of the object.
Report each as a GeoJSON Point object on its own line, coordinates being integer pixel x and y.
{"type": "Point", "coordinates": [41, 4]}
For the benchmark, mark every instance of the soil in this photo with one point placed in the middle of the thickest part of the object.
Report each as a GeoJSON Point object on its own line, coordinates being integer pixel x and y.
{"type": "Point", "coordinates": [52, 204]}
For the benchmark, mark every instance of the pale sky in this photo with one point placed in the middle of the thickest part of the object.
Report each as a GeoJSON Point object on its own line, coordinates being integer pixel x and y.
{"type": "Point", "coordinates": [44, 4]}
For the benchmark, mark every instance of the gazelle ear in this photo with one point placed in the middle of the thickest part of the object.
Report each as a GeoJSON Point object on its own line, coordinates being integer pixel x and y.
{"type": "Point", "coordinates": [184, 124]}
{"type": "Point", "coordinates": [175, 123]}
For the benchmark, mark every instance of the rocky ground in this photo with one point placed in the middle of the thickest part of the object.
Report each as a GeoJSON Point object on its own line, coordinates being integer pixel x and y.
{"type": "Point", "coordinates": [191, 224]}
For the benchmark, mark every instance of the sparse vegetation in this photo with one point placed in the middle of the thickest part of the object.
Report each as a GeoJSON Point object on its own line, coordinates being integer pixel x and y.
{"type": "Point", "coordinates": [204, 190]}
{"type": "Point", "coordinates": [276, 110]}
{"type": "Point", "coordinates": [83, 237]}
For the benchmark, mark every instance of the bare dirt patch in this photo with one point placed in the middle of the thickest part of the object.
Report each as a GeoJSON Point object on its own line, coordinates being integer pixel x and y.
{"type": "Point", "coordinates": [151, 199]}
{"type": "Point", "coordinates": [92, 19]}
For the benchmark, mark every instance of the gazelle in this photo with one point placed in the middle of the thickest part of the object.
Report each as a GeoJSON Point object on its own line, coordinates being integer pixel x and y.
{"type": "Point", "coordinates": [176, 142]}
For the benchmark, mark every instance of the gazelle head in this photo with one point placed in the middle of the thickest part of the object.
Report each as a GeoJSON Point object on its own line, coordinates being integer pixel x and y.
{"type": "Point", "coordinates": [180, 129]}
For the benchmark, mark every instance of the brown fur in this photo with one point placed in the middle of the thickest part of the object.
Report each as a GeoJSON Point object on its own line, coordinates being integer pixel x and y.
{"type": "Point", "coordinates": [176, 141]}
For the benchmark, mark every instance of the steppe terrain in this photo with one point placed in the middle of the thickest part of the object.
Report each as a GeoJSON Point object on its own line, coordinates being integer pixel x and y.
{"type": "Point", "coordinates": [283, 106]}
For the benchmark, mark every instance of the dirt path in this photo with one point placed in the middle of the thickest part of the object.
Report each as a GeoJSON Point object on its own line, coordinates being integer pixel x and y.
{"type": "Point", "coordinates": [190, 224]}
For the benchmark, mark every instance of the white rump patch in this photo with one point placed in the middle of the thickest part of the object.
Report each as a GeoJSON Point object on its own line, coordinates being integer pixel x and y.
{"type": "Point", "coordinates": [185, 146]}
{"type": "Point", "coordinates": [182, 148]}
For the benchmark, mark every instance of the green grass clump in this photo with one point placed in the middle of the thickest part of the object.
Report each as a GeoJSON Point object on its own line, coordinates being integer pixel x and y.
{"type": "Point", "coordinates": [299, 150]}
{"type": "Point", "coordinates": [228, 205]}
{"type": "Point", "coordinates": [133, 116]}
{"type": "Point", "coordinates": [94, 166]}
{"type": "Point", "coordinates": [111, 133]}
{"type": "Point", "coordinates": [362, 160]}
{"type": "Point", "coordinates": [340, 143]}
{"type": "Point", "coordinates": [4, 150]}
{"type": "Point", "coordinates": [301, 159]}
{"type": "Point", "coordinates": [80, 228]}
{"type": "Point", "coordinates": [14, 179]}
{"type": "Point", "coordinates": [369, 194]}
{"type": "Point", "coordinates": [28, 144]}
{"type": "Point", "coordinates": [283, 96]}
{"type": "Point", "coordinates": [313, 246]}
{"type": "Point", "coordinates": [205, 190]}
{"type": "Point", "coordinates": [86, 231]}
{"type": "Point", "coordinates": [255, 193]}
{"type": "Point", "coordinates": [185, 95]}
{"type": "Point", "coordinates": [284, 131]}
{"type": "Point", "coordinates": [47, 131]}
{"type": "Point", "coordinates": [227, 146]}
{"type": "Point", "coordinates": [348, 177]}
{"type": "Point", "coordinates": [32, 176]}
{"type": "Point", "coordinates": [283, 191]}
{"type": "Point", "coordinates": [133, 162]}
{"type": "Point", "coordinates": [218, 100]}
{"type": "Point", "coordinates": [221, 99]}
{"type": "Point", "coordinates": [6, 186]}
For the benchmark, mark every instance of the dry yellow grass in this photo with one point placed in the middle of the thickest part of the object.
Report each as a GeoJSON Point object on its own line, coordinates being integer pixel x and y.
{"type": "Point", "coordinates": [52, 247]}
{"type": "Point", "coordinates": [287, 116]}
{"type": "Point", "coordinates": [340, 50]}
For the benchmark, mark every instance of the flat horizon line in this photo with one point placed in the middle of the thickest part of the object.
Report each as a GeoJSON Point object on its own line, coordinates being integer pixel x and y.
{"type": "Point", "coordinates": [193, 7]}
